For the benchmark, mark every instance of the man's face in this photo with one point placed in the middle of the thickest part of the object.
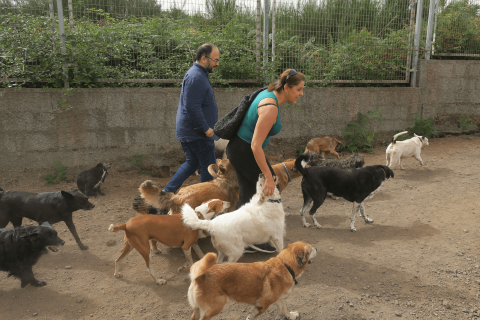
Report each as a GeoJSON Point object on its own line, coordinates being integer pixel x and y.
{"type": "Point", "coordinates": [211, 64]}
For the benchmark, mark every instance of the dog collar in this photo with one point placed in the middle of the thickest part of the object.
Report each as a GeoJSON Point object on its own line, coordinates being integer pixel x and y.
{"type": "Point", "coordinates": [291, 273]}
{"type": "Point", "coordinates": [275, 201]}
{"type": "Point", "coordinates": [420, 139]}
{"type": "Point", "coordinates": [288, 174]}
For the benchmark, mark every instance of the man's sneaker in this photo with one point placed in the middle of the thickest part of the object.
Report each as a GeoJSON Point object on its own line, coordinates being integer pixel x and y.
{"type": "Point", "coordinates": [264, 247]}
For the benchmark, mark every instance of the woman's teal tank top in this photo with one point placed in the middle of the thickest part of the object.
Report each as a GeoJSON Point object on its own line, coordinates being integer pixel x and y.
{"type": "Point", "coordinates": [250, 121]}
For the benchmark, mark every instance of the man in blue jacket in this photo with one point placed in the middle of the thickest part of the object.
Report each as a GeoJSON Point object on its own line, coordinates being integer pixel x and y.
{"type": "Point", "coordinates": [196, 116]}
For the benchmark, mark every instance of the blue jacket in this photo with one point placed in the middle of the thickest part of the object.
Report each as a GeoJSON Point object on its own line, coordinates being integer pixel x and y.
{"type": "Point", "coordinates": [197, 109]}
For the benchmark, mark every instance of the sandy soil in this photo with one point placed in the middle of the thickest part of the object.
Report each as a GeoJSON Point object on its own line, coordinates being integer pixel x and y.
{"type": "Point", "coordinates": [418, 260]}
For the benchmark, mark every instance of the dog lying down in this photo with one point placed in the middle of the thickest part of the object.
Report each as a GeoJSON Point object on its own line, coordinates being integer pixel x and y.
{"type": "Point", "coordinates": [20, 249]}
{"type": "Point", "coordinates": [167, 229]}
{"type": "Point", "coordinates": [354, 185]}
{"type": "Point", "coordinates": [398, 150]}
{"type": "Point", "coordinates": [260, 284]}
{"type": "Point", "coordinates": [259, 221]}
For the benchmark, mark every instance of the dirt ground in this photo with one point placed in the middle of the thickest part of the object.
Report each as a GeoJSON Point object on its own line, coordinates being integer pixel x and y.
{"type": "Point", "coordinates": [418, 260]}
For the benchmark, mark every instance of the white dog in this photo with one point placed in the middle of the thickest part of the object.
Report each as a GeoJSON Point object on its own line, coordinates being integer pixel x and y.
{"type": "Point", "coordinates": [259, 221]}
{"type": "Point", "coordinates": [398, 150]}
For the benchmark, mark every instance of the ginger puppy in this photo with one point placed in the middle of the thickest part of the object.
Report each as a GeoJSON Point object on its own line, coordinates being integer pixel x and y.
{"type": "Point", "coordinates": [323, 145]}
{"type": "Point", "coordinates": [259, 284]}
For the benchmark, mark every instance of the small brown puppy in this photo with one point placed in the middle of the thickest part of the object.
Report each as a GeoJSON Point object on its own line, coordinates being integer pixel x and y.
{"type": "Point", "coordinates": [167, 229]}
{"type": "Point", "coordinates": [224, 187]}
{"type": "Point", "coordinates": [259, 284]}
{"type": "Point", "coordinates": [323, 145]}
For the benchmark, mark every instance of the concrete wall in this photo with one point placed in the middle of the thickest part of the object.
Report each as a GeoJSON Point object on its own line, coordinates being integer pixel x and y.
{"type": "Point", "coordinates": [112, 124]}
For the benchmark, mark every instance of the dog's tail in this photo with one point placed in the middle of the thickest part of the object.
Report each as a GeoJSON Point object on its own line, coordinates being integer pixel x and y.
{"type": "Point", "coordinates": [394, 139]}
{"type": "Point", "coordinates": [191, 220]}
{"type": "Point", "coordinates": [141, 206]}
{"type": "Point", "coordinates": [197, 270]}
{"type": "Point", "coordinates": [201, 266]}
{"type": "Point", "coordinates": [113, 228]}
{"type": "Point", "coordinates": [301, 163]}
{"type": "Point", "coordinates": [156, 197]}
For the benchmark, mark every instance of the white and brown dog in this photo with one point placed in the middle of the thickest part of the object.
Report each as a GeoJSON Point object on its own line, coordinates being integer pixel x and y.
{"type": "Point", "coordinates": [167, 229]}
{"type": "Point", "coordinates": [259, 221]}
{"type": "Point", "coordinates": [260, 284]}
{"type": "Point", "coordinates": [398, 150]}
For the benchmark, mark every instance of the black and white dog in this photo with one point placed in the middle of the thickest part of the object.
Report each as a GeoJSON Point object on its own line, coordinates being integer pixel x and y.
{"type": "Point", "coordinates": [354, 185]}
{"type": "Point", "coordinates": [20, 249]}
{"type": "Point", "coordinates": [51, 207]}
{"type": "Point", "coordinates": [89, 181]}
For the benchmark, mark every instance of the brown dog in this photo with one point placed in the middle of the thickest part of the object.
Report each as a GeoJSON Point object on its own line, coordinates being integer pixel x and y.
{"type": "Point", "coordinates": [223, 187]}
{"type": "Point", "coordinates": [323, 145]}
{"type": "Point", "coordinates": [167, 229]}
{"type": "Point", "coordinates": [259, 284]}
{"type": "Point", "coordinates": [286, 173]}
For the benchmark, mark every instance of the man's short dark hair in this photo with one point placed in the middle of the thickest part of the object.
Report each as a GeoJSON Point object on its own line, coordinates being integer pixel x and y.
{"type": "Point", "coordinates": [204, 50]}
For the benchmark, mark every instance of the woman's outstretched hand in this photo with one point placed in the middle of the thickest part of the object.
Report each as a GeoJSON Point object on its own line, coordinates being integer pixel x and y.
{"type": "Point", "coordinates": [269, 186]}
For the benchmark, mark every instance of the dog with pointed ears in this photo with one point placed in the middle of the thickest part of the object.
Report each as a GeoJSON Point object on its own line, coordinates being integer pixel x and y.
{"type": "Point", "coordinates": [260, 284]}
{"type": "Point", "coordinates": [398, 150]}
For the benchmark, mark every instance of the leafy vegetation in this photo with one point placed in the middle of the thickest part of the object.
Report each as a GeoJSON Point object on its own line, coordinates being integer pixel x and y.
{"type": "Point", "coordinates": [137, 161]}
{"type": "Point", "coordinates": [465, 123]}
{"type": "Point", "coordinates": [357, 135]}
{"type": "Point", "coordinates": [138, 39]}
{"type": "Point", "coordinates": [424, 127]}
{"type": "Point", "coordinates": [59, 174]}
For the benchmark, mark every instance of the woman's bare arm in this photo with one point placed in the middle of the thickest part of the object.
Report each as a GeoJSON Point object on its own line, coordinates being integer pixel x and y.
{"type": "Point", "coordinates": [267, 116]}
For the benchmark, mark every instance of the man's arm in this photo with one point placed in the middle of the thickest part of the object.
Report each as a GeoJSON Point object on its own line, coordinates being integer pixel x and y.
{"type": "Point", "coordinates": [194, 92]}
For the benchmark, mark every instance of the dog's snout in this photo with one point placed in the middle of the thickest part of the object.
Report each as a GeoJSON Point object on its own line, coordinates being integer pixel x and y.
{"type": "Point", "coordinates": [92, 206]}
{"type": "Point", "coordinates": [61, 242]}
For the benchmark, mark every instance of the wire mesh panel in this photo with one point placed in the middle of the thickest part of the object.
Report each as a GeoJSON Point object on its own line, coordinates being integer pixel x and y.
{"type": "Point", "coordinates": [458, 28]}
{"type": "Point", "coordinates": [26, 38]}
{"type": "Point", "coordinates": [344, 40]}
{"type": "Point", "coordinates": [148, 39]}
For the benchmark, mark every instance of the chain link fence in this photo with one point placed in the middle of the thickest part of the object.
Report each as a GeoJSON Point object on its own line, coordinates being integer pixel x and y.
{"type": "Point", "coordinates": [90, 42]}
{"type": "Point", "coordinates": [457, 28]}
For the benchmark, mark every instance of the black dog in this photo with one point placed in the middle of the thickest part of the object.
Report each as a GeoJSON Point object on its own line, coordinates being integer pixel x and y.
{"type": "Point", "coordinates": [51, 207]}
{"type": "Point", "coordinates": [89, 181]}
{"type": "Point", "coordinates": [20, 249]}
{"type": "Point", "coordinates": [354, 185]}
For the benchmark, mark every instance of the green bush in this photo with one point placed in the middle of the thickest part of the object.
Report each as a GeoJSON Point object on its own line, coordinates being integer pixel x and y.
{"type": "Point", "coordinates": [465, 123]}
{"type": "Point", "coordinates": [357, 136]}
{"type": "Point", "coordinates": [60, 173]}
{"type": "Point", "coordinates": [424, 127]}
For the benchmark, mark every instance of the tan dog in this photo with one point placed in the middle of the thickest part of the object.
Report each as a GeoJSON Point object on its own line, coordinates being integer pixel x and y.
{"type": "Point", "coordinates": [224, 187]}
{"type": "Point", "coordinates": [323, 145]}
{"type": "Point", "coordinates": [286, 173]}
{"type": "Point", "coordinates": [210, 208]}
{"type": "Point", "coordinates": [167, 229]}
{"type": "Point", "coordinates": [259, 284]}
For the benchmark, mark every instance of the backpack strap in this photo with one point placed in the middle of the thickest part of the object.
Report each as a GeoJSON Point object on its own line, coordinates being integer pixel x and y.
{"type": "Point", "coordinates": [267, 104]}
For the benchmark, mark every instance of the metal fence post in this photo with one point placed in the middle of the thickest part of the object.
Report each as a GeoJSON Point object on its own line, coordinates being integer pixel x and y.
{"type": "Point", "coordinates": [266, 13]}
{"type": "Point", "coordinates": [52, 17]}
{"type": "Point", "coordinates": [435, 27]}
{"type": "Point", "coordinates": [410, 38]}
{"type": "Point", "coordinates": [273, 30]}
{"type": "Point", "coordinates": [428, 44]}
{"type": "Point", "coordinates": [416, 43]}
{"type": "Point", "coordinates": [259, 38]}
{"type": "Point", "coordinates": [61, 31]}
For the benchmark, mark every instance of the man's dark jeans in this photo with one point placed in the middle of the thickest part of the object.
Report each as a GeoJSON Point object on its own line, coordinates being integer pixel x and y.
{"type": "Point", "coordinates": [199, 153]}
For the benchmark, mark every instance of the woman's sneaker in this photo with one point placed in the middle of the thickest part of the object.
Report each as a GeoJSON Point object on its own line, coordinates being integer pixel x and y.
{"type": "Point", "coordinates": [264, 247]}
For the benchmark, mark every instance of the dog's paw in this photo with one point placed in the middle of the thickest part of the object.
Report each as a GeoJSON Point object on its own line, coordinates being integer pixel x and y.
{"type": "Point", "coordinates": [353, 229]}
{"type": "Point", "coordinates": [368, 220]}
{"type": "Point", "coordinates": [317, 225]}
{"type": "Point", "coordinates": [306, 224]}
{"type": "Point", "coordinates": [293, 315]}
{"type": "Point", "coordinates": [83, 247]}
{"type": "Point", "coordinates": [161, 281]}
{"type": "Point", "coordinates": [118, 275]}
{"type": "Point", "coordinates": [187, 266]}
{"type": "Point", "coordinates": [38, 283]}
